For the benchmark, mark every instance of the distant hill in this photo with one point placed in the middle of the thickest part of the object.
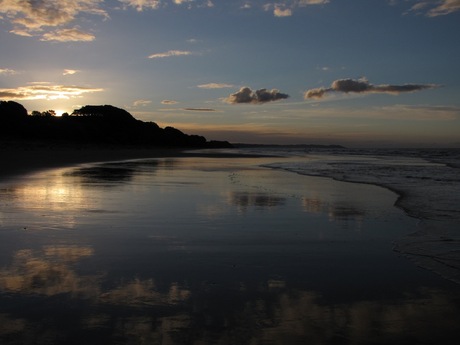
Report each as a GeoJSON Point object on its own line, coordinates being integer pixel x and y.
{"type": "Point", "coordinates": [293, 146]}
{"type": "Point", "coordinates": [93, 124]}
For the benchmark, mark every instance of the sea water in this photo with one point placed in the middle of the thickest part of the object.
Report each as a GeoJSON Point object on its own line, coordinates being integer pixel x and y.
{"type": "Point", "coordinates": [427, 182]}
{"type": "Point", "coordinates": [215, 250]}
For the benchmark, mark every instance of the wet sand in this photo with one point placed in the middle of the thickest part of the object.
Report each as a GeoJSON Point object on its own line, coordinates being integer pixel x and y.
{"type": "Point", "coordinates": [209, 250]}
{"type": "Point", "coordinates": [25, 158]}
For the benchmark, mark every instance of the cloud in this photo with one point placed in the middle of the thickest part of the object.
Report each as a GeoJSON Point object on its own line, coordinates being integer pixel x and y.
{"type": "Point", "coordinates": [312, 2]}
{"type": "Point", "coordinates": [7, 71]}
{"type": "Point", "coordinates": [246, 95]}
{"type": "Point", "coordinates": [36, 18]}
{"type": "Point", "coordinates": [200, 109]}
{"type": "Point", "coordinates": [68, 35]}
{"type": "Point", "coordinates": [436, 8]}
{"type": "Point", "coordinates": [44, 90]}
{"type": "Point", "coordinates": [363, 86]}
{"type": "Point", "coordinates": [282, 12]}
{"type": "Point", "coordinates": [286, 9]}
{"type": "Point", "coordinates": [180, 2]}
{"type": "Point", "coordinates": [215, 86]}
{"type": "Point", "coordinates": [70, 71]}
{"type": "Point", "coordinates": [169, 54]}
{"type": "Point", "coordinates": [139, 5]}
{"type": "Point", "coordinates": [168, 102]}
{"type": "Point", "coordinates": [141, 103]}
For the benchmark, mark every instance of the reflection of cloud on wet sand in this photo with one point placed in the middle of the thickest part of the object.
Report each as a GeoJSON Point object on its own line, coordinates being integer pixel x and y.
{"type": "Point", "coordinates": [337, 212]}
{"type": "Point", "coordinates": [272, 313]}
{"type": "Point", "coordinates": [48, 273]}
{"type": "Point", "coordinates": [301, 315]}
{"type": "Point", "coordinates": [245, 200]}
{"type": "Point", "coordinates": [142, 292]}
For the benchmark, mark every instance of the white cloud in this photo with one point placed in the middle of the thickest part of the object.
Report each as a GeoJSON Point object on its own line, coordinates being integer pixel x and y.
{"type": "Point", "coordinates": [215, 86]}
{"type": "Point", "coordinates": [282, 12]}
{"type": "Point", "coordinates": [70, 71]}
{"type": "Point", "coordinates": [45, 90]}
{"type": "Point", "coordinates": [286, 8]}
{"type": "Point", "coordinates": [36, 18]}
{"type": "Point", "coordinates": [436, 8]}
{"type": "Point", "coordinates": [141, 102]}
{"type": "Point", "coordinates": [168, 102]}
{"type": "Point", "coordinates": [169, 54]}
{"type": "Point", "coordinates": [68, 35]}
{"type": "Point", "coordinates": [139, 5]}
{"type": "Point", "coordinates": [7, 71]}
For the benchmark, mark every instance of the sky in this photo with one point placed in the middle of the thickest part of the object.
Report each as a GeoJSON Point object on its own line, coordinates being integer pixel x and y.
{"type": "Point", "coordinates": [379, 73]}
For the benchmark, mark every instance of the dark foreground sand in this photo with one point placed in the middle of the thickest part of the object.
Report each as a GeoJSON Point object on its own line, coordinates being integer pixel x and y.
{"type": "Point", "coordinates": [24, 158]}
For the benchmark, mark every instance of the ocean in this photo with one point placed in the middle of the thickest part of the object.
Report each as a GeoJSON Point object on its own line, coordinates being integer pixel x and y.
{"type": "Point", "coordinates": [273, 245]}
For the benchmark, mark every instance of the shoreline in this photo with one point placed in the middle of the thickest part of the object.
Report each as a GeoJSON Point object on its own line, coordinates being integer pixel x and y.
{"type": "Point", "coordinates": [20, 159]}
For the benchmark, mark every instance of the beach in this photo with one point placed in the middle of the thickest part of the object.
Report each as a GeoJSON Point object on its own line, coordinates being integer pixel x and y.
{"type": "Point", "coordinates": [173, 247]}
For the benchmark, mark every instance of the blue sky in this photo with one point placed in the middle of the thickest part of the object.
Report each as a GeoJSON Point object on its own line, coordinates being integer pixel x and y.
{"type": "Point", "coordinates": [357, 73]}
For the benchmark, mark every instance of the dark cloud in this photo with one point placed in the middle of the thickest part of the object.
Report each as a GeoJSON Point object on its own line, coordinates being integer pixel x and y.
{"type": "Point", "coordinates": [199, 109]}
{"type": "Point", "coordinates": [363, 86]}
{"type": "Point", "coordinates": [246, 95]}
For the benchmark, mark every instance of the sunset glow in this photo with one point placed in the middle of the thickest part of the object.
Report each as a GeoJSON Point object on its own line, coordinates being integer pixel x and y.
{"type": "Point", "coordinates": [380, 73]}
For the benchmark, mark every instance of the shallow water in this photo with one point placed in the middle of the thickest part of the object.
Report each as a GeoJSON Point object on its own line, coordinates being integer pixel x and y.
{"type": "Point", "coordinates": [428, 185]}
{"type": "Point", "coordinates": [207, 251]}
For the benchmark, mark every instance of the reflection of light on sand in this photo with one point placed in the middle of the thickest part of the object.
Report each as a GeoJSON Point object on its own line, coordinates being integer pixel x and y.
{"type": "Point", "coordinates": [56, 195]}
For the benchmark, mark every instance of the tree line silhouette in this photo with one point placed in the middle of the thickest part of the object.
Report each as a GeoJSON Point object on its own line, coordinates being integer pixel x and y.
{"type": "Point", "coordinates": [98, 124]}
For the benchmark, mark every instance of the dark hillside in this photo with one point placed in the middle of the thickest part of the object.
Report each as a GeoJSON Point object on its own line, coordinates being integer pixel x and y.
{"type": "Point", "coordinates": [98, 124]}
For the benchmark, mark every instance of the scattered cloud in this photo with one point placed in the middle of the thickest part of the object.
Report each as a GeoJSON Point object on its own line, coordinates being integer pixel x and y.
{"type": "Point", "coordinates": [246, 95]}
{"type": "Point", "coordinates": [141, 103]}
{"type": "Point", "coordinates": [37, 18]}
{"type": "Point", "coordinates": [7, 71]}
{"type": "Point", "coordinates": [200, 109]}
{"type": "Point", "coordinates": [282, 12]}
{"type": "Point", "coordinates": [168, 102]}
{"type": "Point", "coordinates": [312, 2]}
{"type": "Point", "coordinates": [215, 86]}
{"type": "Point", "coordinates": [169, 54]}
{"type": "Point", "coordinates": [44, 90]}
{"type": "Point", "coordinates": [180, 2]}
{"type": "Point", "coordinates": [286, 9]}
{"type": "Point", "coordinates": [436, 8]}
{"type": "Point", "coordinates": [140, 5]}
{"type": "Point", "coordinates": [363, 86]}
{"type": "Point", "coordinates": [68, 35]}
{"type": "Point", "coordinates": [70, 71]}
